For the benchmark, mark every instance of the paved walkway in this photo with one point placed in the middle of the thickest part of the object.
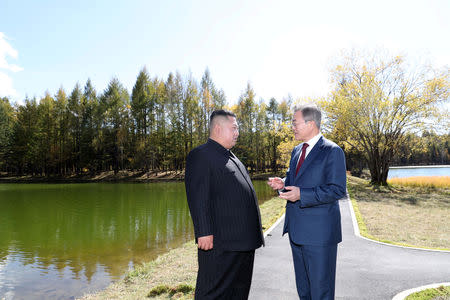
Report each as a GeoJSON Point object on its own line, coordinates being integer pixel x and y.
{"type": "Point", "coordinates": [365, 269]}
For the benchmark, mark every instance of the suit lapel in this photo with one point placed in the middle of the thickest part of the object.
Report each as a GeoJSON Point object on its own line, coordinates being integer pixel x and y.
{"type": "Point", "coordinates": [311, 156]}
{"type": "Point", "coordinates": [242, 170]}
{"type": "Point", "coordinates": [244, 173]}
{"type": "Point", "coordinates": [294, 163]}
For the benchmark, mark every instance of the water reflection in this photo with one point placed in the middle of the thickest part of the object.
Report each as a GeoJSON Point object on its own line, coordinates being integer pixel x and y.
{"type": "Point", "coordinates": [77, 232]}
{"type": "Point", "coordinates": [63, 240]}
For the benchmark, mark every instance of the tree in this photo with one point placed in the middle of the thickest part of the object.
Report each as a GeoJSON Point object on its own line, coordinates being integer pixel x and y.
{"type": "Point", "coordinates": [273, 126]}
{"type": "Point", "coordinates": [46, 135]}
{"type": "Point", "coordinates": [114, 105]}
{"type": "Point", "coordinates": [246, 113]}
{"type": "Point", "coordinates": [89, 103]}
{"type": "Point", "coordinates": [25, 148]}
{"type": "Point", "coordinates": [160, 135]}
{"type": "Point", "coordinates": [175, 150]}
{"type": "Point", "coordinates": [376, 100]}
{"type": "Point", "coordinates": [211, 99]}
{"type": "Point", "coordinates": [429, 148]}
{"type": "Point", "coordinates": [75, 111]}
{"type": "Point", "coordinates": [62, 117]}
{"type": "Point", "coordinates": [7, 121]}
{"type": "Point", "coordinates": [190, 112]}
{"type": "Point", "coordinates": [142, 110]}
{"type": "Point", "coordinates": [286, 145]}
{"type": "Point", "coordinates": [261, 136]}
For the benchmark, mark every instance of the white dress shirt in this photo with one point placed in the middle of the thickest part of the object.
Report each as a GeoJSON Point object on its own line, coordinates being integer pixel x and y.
{"type": "Point", "coordinates": [312, 142]}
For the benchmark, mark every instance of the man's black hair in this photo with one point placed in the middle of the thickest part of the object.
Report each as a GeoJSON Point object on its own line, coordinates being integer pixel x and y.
{"type": "Point", "coordinates": [221, 112]}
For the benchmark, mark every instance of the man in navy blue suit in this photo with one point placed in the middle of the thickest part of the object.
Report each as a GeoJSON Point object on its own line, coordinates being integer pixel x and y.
{"type": "Point", "coordinates": [314, 182]}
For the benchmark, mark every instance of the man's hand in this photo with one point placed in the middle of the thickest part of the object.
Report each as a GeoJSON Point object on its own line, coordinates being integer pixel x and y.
{"type": "Point", "coordinates": [205, 242]}
{"type": "Point", "coordinates": [276, 183]}
{"type": "Point", "coordinates": [293, 194]}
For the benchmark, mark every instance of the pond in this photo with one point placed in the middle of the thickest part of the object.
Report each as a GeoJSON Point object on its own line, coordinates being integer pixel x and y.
{"type": "Point", "coordinates": [419, 171]}
{"type": "Point", "coordinates": [59, 241]}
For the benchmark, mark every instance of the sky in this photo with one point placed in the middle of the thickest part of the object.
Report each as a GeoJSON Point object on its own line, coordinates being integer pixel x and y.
{"type": "Point", "coordinates": [282, 48]}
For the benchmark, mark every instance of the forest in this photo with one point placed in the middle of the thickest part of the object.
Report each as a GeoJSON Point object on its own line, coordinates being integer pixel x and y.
{"type": "Point", "coordinates": [154, 127]}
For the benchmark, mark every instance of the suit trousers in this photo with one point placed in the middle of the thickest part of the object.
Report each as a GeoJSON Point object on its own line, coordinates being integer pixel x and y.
{"type": "Point", "coordinates": [315, 271]}
{"type": "Point", "coordinates": [224, 274]}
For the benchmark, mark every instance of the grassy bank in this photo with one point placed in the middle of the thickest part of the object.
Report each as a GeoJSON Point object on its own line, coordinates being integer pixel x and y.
{"type": "Point", "coordinates": [422, 181]}
{"type": "Point", "coordinates": [409, 215]}
{"type": "Point", "coordinates": [107, 176]}
{"type": "Point", "coordinates": [173, 273]}
{"type": "Point", "coordinates": [440, 293]}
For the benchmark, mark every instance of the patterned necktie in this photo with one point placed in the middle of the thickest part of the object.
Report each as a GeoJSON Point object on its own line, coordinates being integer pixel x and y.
{"type": "Point", "coordinates": [302, 158]}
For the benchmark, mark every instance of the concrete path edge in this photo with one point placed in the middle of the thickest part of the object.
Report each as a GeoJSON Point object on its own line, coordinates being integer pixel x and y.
{"type": "Point", "coordinates": [404, 294]}
{"type": "Point", "coordinates": [268, 231]}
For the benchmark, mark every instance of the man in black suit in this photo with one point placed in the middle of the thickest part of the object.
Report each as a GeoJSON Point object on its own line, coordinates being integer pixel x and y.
{"type": "Point", "coordinates": [225, 213]}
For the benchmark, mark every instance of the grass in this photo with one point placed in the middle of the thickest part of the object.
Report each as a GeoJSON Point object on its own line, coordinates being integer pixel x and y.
{"type": "Point", "coordinates": [439, 293]}
{"type": "Point", "coordinates": [178, 292]}
{"type": "Point", "coordinates": [173, 274]}
{"type": "Point", "coordinates": [422, 181]}
{"type": "Point", "coordinates": [403, 215]}
{"type": "Point", "coordinates": [271, 211]}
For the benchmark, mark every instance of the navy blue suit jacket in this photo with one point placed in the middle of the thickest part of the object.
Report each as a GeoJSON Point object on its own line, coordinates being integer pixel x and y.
{"type": "Point", "coordinates": [315, 219]}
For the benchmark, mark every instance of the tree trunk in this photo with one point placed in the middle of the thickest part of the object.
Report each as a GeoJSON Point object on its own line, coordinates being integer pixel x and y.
{"type": "Point", "coordinates": [379, 168]}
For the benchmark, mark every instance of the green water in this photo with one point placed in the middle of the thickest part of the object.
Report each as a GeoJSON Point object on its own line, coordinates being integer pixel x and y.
{"type": "Point", "coordinates": [59, 241]}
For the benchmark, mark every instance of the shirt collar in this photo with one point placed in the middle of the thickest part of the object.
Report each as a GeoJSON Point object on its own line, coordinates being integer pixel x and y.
{"type": "Point", "coordinates": [221, 149]}
{"type": "Point", "coordinates": [312, 142]}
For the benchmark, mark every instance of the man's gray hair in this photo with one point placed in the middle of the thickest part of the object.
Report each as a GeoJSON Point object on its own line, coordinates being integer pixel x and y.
{"type": "Point", "coordinates": [310, 112]}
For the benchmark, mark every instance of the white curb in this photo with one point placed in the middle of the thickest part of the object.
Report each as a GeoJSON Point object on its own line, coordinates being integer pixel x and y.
{"type": "Point", "coordinates": [268, 231]}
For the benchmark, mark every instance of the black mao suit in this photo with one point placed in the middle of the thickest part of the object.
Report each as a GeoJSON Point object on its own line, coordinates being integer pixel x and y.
{"type": "Point", "coordinates": [223, 203]}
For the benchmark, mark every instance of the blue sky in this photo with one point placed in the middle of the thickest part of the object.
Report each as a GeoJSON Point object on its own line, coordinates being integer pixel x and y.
{"type": "Point", "coordinates": [281, 47]}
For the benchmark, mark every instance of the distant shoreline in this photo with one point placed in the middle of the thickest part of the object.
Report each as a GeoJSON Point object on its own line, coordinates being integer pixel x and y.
{"type": "Point", "coordinates": [110, 177]}
{"type": "Point", "coordinates": [417, 167]}
{"type": "Point", "coordinates": [141, 176]}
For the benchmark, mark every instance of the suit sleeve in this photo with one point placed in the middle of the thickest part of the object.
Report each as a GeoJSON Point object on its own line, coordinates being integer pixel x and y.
{"type": "Point", "coordinates": [197, 182]}
{"type": "Point", "coordinates": [334, 187]}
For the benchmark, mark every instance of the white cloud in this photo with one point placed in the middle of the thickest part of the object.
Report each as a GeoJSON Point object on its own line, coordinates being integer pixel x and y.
{"type": "Point", "coordinates": [6, 86]}
{"type": "Point", "coordinates": [6, 83]}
